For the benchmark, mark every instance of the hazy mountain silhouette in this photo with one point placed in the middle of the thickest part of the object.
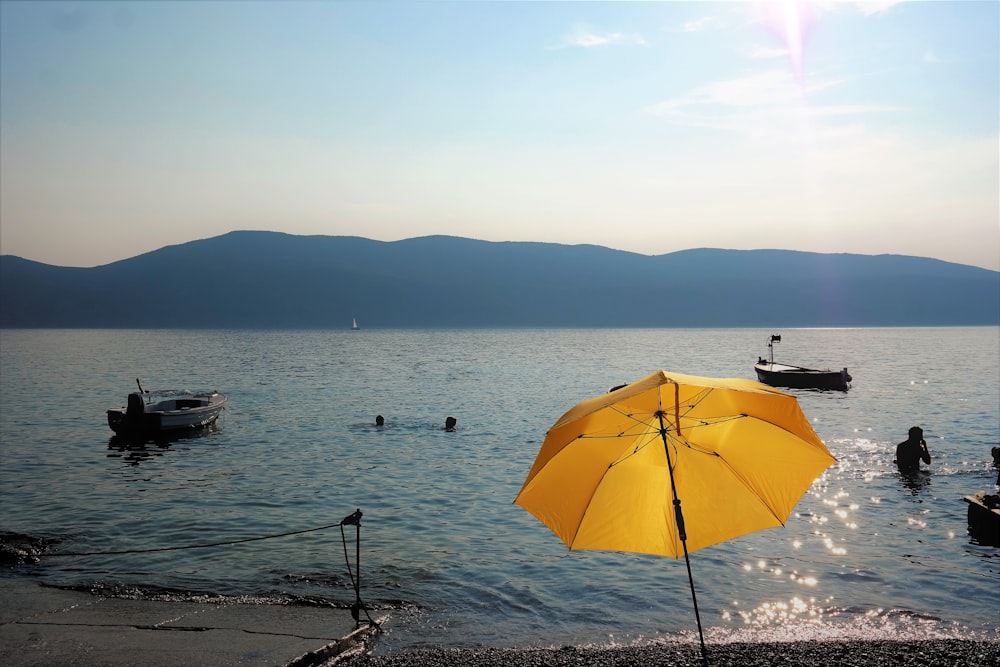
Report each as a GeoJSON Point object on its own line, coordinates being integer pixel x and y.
{"type": "Point", "coordinates": [275, 280]}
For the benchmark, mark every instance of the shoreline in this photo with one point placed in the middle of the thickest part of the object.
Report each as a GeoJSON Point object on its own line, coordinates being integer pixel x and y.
{"type": "Point", "coordinates": [847, 653]}
{"type": "Point", "coordinates": [42, 625]}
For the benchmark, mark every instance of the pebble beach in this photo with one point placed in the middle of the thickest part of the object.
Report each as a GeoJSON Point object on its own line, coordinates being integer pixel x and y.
{"type": "Point", "coordinates": [944, 652]}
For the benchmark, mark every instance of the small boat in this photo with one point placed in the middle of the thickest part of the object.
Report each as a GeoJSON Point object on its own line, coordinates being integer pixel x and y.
{"type": "Point", "coordinates": [169, 412]}
{"type": "Point", "coordinates": [354, 324]}
{"type": "Point", "coordinates": [797, 377]}
{"type": "Point", "coordinates": [984, 518]}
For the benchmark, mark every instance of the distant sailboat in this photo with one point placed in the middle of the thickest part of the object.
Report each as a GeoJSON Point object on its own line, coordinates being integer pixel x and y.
{"type": "Point", "coordinates": [354, 324]}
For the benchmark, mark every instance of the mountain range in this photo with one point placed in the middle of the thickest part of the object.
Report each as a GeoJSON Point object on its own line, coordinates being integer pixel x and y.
{"type": "Point", "coordinates": [251, 279]}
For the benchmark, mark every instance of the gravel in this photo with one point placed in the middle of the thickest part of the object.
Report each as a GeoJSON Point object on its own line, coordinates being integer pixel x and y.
{"type": "Point", "coordinates": [939, 652]}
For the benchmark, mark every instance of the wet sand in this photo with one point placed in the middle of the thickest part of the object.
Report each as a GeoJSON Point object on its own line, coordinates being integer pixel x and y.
{"type": "Point", "coordinates": [41, 626]}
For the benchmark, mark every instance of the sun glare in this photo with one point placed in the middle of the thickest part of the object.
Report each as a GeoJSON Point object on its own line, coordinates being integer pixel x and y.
{"type": "Point", "coordinates": [789, 21]}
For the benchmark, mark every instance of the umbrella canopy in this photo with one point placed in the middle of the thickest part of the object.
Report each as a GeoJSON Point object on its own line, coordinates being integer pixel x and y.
{"type": "Point", "coordinates": [613, 470]}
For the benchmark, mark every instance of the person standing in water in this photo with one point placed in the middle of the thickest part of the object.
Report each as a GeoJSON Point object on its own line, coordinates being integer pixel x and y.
{"type": "Point", "coordinates": [912, 451]}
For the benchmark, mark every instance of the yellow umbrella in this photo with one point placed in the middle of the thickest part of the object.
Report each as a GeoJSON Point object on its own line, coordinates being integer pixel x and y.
{"type": "Point", "coordinates": [613, 470]}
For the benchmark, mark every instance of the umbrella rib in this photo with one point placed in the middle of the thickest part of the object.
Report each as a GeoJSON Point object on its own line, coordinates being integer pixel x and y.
{"type": "Point", "coordinates": [697, 399]}
{"type": "Point", "coordinates": [706, 422]}
{"type": "Point", "coordinates": [735, 472]}
{"type": "Point", "coordinates": [650, 438]}
{"type": "Point", "coordinates": [786, 430]}
{"type": "Point", "coordinates": [745, 483]}
{"type": "Point", "coordinates": [590, 500]}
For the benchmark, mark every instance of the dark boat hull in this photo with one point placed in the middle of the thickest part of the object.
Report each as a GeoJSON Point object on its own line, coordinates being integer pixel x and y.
{"type": "Point", "coordinates": [151, 424]}
{"type": "Point", "coordinates": [796, 377]}
{"type": "Point", "coordinates": [984, 519]}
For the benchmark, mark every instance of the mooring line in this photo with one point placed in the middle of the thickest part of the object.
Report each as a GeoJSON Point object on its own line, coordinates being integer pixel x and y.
{"type": "Point", "coordinates": [190, 546]}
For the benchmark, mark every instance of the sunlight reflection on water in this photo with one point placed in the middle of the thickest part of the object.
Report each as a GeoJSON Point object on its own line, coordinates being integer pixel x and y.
{"type": "Point", "coordinates": [866, 553]}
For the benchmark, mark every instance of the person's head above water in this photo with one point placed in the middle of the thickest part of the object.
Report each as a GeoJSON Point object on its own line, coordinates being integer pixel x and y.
{"type": "Point", "coordinates": [379, 420]}
{"type": "Point", "coordinates": [449, 423]}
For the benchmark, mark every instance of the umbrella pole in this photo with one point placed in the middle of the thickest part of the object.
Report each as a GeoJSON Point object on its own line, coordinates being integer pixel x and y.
{"type": "Point", "coordinates": [682, 533]}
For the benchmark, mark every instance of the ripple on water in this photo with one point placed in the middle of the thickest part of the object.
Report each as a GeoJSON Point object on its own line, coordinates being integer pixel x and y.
{"type": "Point", "coordinates": [442, 546]}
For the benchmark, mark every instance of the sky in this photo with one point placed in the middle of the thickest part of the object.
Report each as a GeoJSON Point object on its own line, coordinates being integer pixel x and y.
{"type": "Point", "coordinates": [650, 127]}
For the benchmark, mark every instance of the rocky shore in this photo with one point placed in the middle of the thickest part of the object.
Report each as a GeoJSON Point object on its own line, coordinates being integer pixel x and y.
{"type": "Point", "coordinates": [936, 653]}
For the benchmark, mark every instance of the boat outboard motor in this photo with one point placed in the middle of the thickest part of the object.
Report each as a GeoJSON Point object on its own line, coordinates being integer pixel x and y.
{"type": "Point", "coordinates": [135, 410]}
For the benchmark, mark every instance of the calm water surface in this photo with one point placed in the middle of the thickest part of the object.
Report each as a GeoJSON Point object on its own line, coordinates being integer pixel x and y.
{"type": "Point", "coordinates": [444, 551]}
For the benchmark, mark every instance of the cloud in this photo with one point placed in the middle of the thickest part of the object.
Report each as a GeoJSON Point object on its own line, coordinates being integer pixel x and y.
{"type": "Point", "coordinates": [872, 7]}
{"type": "Point", "coordinates": [723, 15]}
{"type": "Point", "coordinates": [760, 52]}
{"type": "Point", "coordinates": [768, 88]}
{"type": "Point", "coordinates": [586, 38]}
{"type": "Point", "coordinates": [762, 105]}
{"type": "Point", "coordinates": [71, 18]}
{"type": "Point", "coordinates": [866, 7]}
{"type": "Point", "coordinates": [699, 25]}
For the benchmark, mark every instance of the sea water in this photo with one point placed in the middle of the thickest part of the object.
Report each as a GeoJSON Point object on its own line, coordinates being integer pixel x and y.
{"type": "Point", "coordinates": [443, 550]}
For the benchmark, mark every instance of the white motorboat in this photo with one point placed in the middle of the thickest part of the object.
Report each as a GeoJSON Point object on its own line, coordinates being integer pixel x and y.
{"type": "Point", "coordinates": [149, 414]}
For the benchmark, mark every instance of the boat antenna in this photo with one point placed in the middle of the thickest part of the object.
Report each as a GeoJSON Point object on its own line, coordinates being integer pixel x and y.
{"type": "Point", "coordinates": [141, 390]}
{"type": "Point", "coordinates": [775, 338]}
